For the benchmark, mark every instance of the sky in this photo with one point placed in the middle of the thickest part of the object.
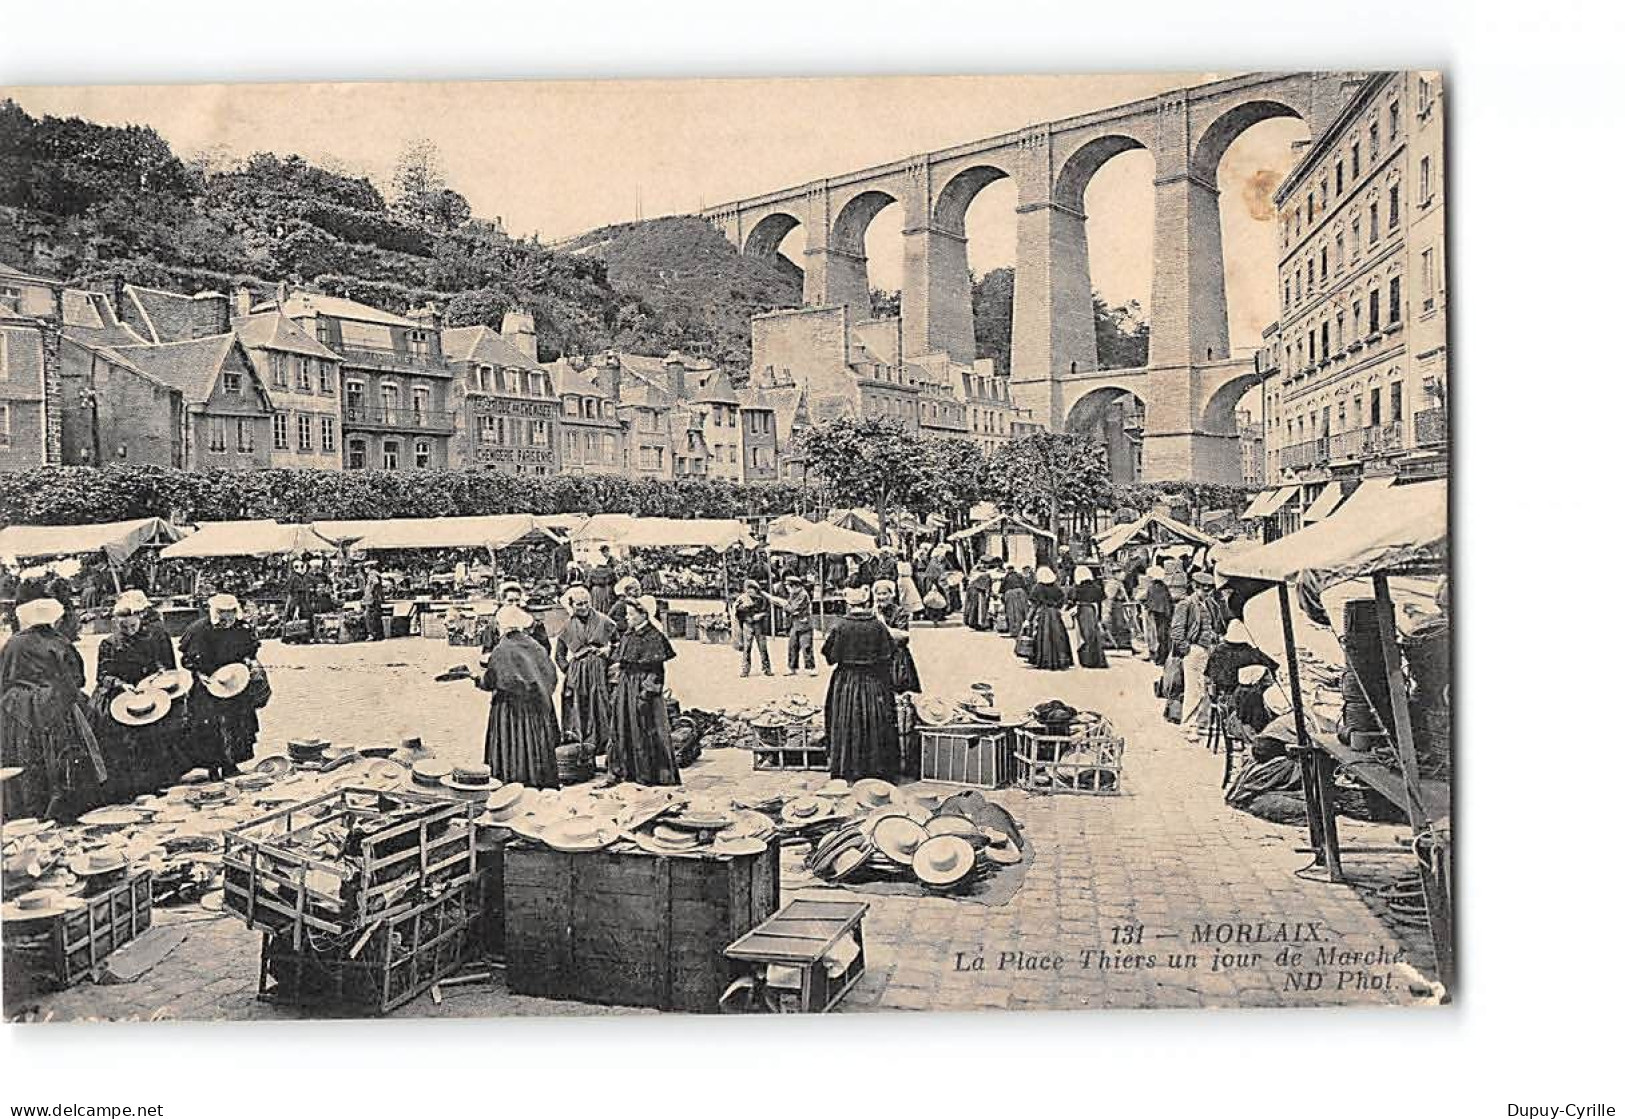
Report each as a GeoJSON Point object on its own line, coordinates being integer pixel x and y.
{"type": "Point", "coordinates": [562, 157]}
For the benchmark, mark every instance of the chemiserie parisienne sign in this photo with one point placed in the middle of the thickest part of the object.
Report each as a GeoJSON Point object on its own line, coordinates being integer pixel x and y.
{"type": "Point", "coordinates": [508, 406]}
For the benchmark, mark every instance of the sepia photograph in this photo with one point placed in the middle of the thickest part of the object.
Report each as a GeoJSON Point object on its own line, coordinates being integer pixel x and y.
{"type": "Point", "coordinates": [1007, 571]}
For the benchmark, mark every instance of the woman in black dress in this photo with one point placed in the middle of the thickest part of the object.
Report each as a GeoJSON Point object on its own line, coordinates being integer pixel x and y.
{"type": "Point", "coordinates": [889, 609]}
{"type": "Point", "coordinates": [1051, 648]}
{"type": "Point", "coordinates": [140, 759]}
{"type": "Point", "coordinates": [641, 750]}
{"type": "Point", "coordinates": [223, 730]}
{"type": "Point", "coordinates": [1086, 597]}
{"type": "Point", "coordinates": [860, 710]}
{"type": "Point", "coordinates": [43, 727]}
{"type": "Point", "coordinates": [522, 733]}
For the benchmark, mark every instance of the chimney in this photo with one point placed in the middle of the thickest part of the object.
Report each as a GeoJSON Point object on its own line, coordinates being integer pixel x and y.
{"type": "Point", "coordinates": [211, 314]}
{"type": "Point", "coordinates": [676, 375]}
{"type": "Point", "coordinates": [610, 363]}
{"type": "Point", "coordinates": [118, 299]}
{"type": "Point", "coordinates": [427, 317]}
{"type": "Point", "coordinates": [244, 301]}
{"type": "Point", "coordinates": [519, 327]}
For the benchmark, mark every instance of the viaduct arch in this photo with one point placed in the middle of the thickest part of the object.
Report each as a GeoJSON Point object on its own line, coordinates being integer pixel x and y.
{"type": "Point", "coordinates": [1191, 383]}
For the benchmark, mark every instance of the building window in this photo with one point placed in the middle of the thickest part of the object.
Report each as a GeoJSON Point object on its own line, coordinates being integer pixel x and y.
{"type": "Point", "coordinates": [329, 435]}
{"type": "Point", "coordinates": [279, 431]}
{"type": "Point", "coordinates": [1312, 358]}
{"type": "Point", "coordinates": [1393, 122]}
{"type": "Point", "coordinates": [1339, 252]}
{"type": "Point", "coordinates": [245, 436]}
{"type": "Point", "coordinates": [1374, 147]}
{"type": "Point", "coordinates": [537, 433]}
{"type": "Point", "coordinates": [279, 370]}
{"type": "Point", "coordinates": [1326, 340]}
{"type": "Point", "coordinates": [389, 402]}
{"type": "Point", "coordinates": [1374, 226]}
{"type": "Point", "coordinates": [572, 406]}
{"type": "Point", "coordinates": [1425, 187]}
{"type": "Point", "coordinates": [1354, 160]}
{"type": "Point", "coordinates": [488, 429]}
{"type": "Point", "coordinates": [1339, 174]}
{"type": "Point", "coordinates": [392, 454]}
{"type": "Point", "coordinates": [217, 435]}
{"type": "Point", "coordinates": [1428, 280]}
{"type": "Point", "coordinates": [1376, 407]}
{"type": "Point", "coordinates": [417, 343]}
{"type": "Point", "coordinates": [1324, 271]}
{"type": "Point", "coordinates": [422, 455]}
{"type": "Point", "coordinates": [538, 385]}
{"type": "Point", "coordinates": [304, 374]}
{"type": "Point", "coordinates": [1286, 301]}
{"type": "Point", "coordinates": [589, 450]}
{"type": "Point", "coordinates": [355, 397]}
{"type": "Point", "coordinates": [306, 435]}
{"type": "Point", "coordinates": [1393, 206]}
{"type": "Point", "coordinates": [652, 458]}
{"type": "Point", "coordinates": [1310, 275]}
{"type": "Point", "coordinates": [1342, 415]}
{"type": "Point", "coordinates": [1341, 340]}
{"type": "Point", "coordinates": [1311, 207]}
{"type": "Point", "coordinates": [482, 378]}
{"type": "Point", "coordinates": [5, 417]}
{"type": "Point", "coordinates": [324, 378]}
{"type": "Point", "coordinates": [1355, 234]}
{"type": "Point", "coordinates": [1375, 312]}
{"type": "Point", "coordinates": [1393, 301]}
{"type": "Point", "coordinates": [1396, 402]}
{"type": "Point", "coordinates": [232, 383]}
{"type": "Point", "coordinates": [1298, 275]}
{"type": "Point", "coordinates": [420, 403]}
{"type": "Point", "coordinates": [358, 455]}
{"type": "Point", "coordinates": [733, 456]}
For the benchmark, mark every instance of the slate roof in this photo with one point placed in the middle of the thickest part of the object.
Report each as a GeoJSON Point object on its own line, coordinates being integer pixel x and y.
{"type": "Point", "coordinates": [337, 307]}
{"type": "Point", "coordinates": [272, 330]}
{"type": "Point", "coordinates": [191, 366]}
{"type": "Point", "coordinates": [88, 317]}
{"type": "Point", "coordinates": [162, 316]}
{"type": "Point", "coordinates": [482, 344]}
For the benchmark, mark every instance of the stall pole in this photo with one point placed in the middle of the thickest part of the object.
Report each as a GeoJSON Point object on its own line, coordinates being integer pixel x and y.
{"type": "Point", "coordinates": [1440, 920]}
{"type": "Point", "coordinates": [1322, 817]}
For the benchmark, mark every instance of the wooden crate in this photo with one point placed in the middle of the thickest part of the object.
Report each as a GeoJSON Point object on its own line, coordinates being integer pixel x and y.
{"type": "Point", "coordinates": [433, 625]}
{"type": "Point", "coordinates": [631, 929]}
{"type": "Point", "coordinates": [979, 757]}
{"type": "Point", "coordinates": [379, 968]}
{"type": "Point", "coordinates": [1047, 763]}
{"type": "Point", "coordinates": [789, 747]}
{"type": "Point", "coordinates": [799, 938]}
{"type": "Point", "coordinates": [72, 946]}
{"type": "Point", "coordinates": [274, 888]}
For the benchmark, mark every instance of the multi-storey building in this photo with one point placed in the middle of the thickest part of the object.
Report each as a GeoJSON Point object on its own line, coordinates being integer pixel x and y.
{"type": "Point", "coordinates": [30, 391]}
{"type": "Point", "coordinates": [302, 378]}
{"type": "Point", "coordinates": [227, 409]}
{"type": "Point", "coordinates": [1355, 368]}
{"type": "Point", "coordinates": [505, 412]}
{"type": "Point", "coordinates": [591, 439]}
{"type": "Point", "coordinates": [396, 386]}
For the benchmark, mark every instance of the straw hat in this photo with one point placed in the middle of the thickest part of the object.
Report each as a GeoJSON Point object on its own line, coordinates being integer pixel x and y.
{"type": "Point", "coordinates": [99, 862]}
{"type": "Point", "coordinates": [512, 618]}
{"type": "Point", "coordinates": [113, 816]}
{"type": "Point", "coordinates": [220, 602]}
{"type": "Point", "coordinates": [943, 861]}
{"type": "Point", "coordinates": [275, 767]}
{"type": "Point", "coordinates": [957, 826]}
{"type": "Point", "coordinates": [139, 708]}
{"type": "Point", "coordinates": [871, 792]}
{"type": "Point", "coordinates": [934, 710]}
{"type": "Point", "coordinates": [1155, 571]}
{"type": "Point", "coordinates": [1000, 847]}
{"type": "Point", "coordinates": [1236, 633]}
{"type": "Point", "coordinates": [1276, 701]}
{"type": "Point", "coordinates": [806, 810]}
{"type": "Point", "coordinates": [132, 602]}
{"type": "Point", "coordinates": [377, 773]}
{"type": "Point", "coordinates": [835, 787]}
{"type": "Point", "coordinates": [579, 833]}
{"type": "Point", "coordinates": [431, 772]}
{"type": "Point", "coordinates": [848, 861]}
{"type": "Point", "coordinates": [898, 837]}
{"type": "Point", "coordinates": [856, 596]}
{"type": "Point", "coordinates": [737, 848]}
{"type": "Point", "coordinates": [36, 905]}
{"type": "Point", "coordinates": [228, 681]}
{"type": "Point", "coordinates": [472, 778]}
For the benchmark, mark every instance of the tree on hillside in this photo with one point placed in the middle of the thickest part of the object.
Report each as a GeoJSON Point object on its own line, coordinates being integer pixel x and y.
{"type": "Point", "coordinates": [418, 188]}
{"type": "Point", "coordinates": [480, 307]}
{"type": "Point", "coordinates": [874, 463]}
{"type": "Point", "coordinates": [1046, 474]}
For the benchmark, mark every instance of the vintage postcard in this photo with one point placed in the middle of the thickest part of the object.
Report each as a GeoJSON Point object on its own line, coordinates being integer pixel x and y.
{"type": "Point", "coordinates": [530, 548]}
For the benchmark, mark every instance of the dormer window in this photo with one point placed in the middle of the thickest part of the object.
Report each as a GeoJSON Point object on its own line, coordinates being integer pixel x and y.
{"type": "Point", "coordinates": [232, 383]}
{"type": "Point", "coordinates": [483, 378]}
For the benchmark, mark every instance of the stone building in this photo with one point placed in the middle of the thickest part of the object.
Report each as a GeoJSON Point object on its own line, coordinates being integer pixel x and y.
{"type": "Point", "coordinates": [1355, 369]}
{"type": "Point", "coordinates": [30, 389]}
{"type": "Point", "coordinates": [504, 408]}
{"type": "Point", "coordinates": [227, 410]}
{"type": "Point", "coordinates": [396, 391]}
{"type": "Point", "coordinates": [302, 377]}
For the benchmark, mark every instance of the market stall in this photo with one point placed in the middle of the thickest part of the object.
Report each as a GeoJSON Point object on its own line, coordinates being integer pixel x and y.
{"type": "Point", "coordinates": [1005, 537]}
{"type": "Point", "coordinates": [820, 541]}
{"type": "Point", "coordinates": [97, 561]}
{"type": "Point", "coordinates": [1383, 532]}
{"type": "Point", "coordinates": [1151, 530]}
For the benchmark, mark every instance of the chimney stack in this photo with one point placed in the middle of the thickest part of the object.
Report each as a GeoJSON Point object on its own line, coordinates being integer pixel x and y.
{"type": "Point", "coordinates": [211, 314]}
{"type": "Point", "coordinates": [676, 375]}
{"type": "Point", "coordinates": [244, 301]}
{"type": "Point", "coordinates": [610, 362]}
{"type": "Point", "coordinates": [519, 327]}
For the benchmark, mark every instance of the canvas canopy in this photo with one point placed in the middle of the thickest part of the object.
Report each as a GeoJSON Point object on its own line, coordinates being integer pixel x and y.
{"type": "Point", "coordinates": [1381, 527]}
{"type": "Point", "coordinates": [1255, 507]}
{"type": "Point", "coordinates": [785, 525]}
{"type": "Point", "coordinates": [248, 538]}
{"type": "Point", "coordinates": [1143, 531]}
{"type": "Point", "coordinates": [494, 532]}
{"type": "Point", "coordinates": [1002, 522]}
{"type": "Point", "coordinates": [603, 528]}
{"type": "Point", "coordinates": [118, 540]}
{"type": "Point", "coordinates": [826, 540]}
{"type": "Point", "coordinates": [1280, 497]}
{"type": "Point", "coordinates": [717, 534]}
{"type": "Point", "coordinates": [1325, 504]}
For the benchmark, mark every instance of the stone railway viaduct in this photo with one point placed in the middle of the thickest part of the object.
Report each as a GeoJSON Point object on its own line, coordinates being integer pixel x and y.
{"type": "Point", "coordinates": [1191, 385]}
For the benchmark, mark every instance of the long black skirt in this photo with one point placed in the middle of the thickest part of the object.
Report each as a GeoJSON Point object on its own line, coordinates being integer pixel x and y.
{"type": "Point", "coordinates": [1052, 649]}
{"type": "Point", "coordinates": [522, 740]}
{"type": "Point", "coordinates": [1091, 649]}
{"type": "Point", "coordinates": [641, 749]}
{"type": "Point", "coordinates": [224, 731]}
{"type": "Point", "coordinates": [904, 672]}
{"type": "Point", "coordinates": [860, 723]}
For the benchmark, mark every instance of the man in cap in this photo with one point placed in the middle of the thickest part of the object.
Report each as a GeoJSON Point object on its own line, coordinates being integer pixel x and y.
{"type": "Point", "coordinates": [750, 610]}
{"type": "Point", "coordinates": [372, 601]}
{"type": "Point", "coordinates": [1159, 611]}
{"type": "Point", "coordinates": [798, 610]}
{"type": "Point", "coordinates": [1195, 630]}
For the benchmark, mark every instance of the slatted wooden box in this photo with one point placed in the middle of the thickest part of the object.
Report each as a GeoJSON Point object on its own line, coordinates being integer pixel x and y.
{"type": "Point", "coordinates": [70, 947]}
{"type": "Point", "coordinates": [979, 757]}
{"type": "Point", "coordinates": [631, 929]}
{"type": "Point", "coordinates": [1050, 763]}
{"type": "Point", "coordinates": [798, 746]}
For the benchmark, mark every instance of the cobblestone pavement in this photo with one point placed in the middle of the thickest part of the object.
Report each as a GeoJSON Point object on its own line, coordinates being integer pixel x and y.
{"type": "Point", "coordinates": [1166, 855]}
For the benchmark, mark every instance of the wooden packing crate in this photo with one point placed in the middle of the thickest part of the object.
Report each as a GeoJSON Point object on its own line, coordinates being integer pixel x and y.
{"type": "Point", "coordinates": [273, 888]}
{"type": "Point", "coordinates": [434, 625]}
{"type": "Point", "coordinates": [72, 946]}
{"type": "Point", "coordinates": [1047, 763]}
{"type": "Point", "coordinates": [788, 747]}
{"type": "Point", "coordinates": [980, 757]}
{"type": "Point", "coordinates": [381, 967]}
{"type": "Point", "coordinates": [631, 929]}
{"type": "Point", "coordinates": [799, 938]}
